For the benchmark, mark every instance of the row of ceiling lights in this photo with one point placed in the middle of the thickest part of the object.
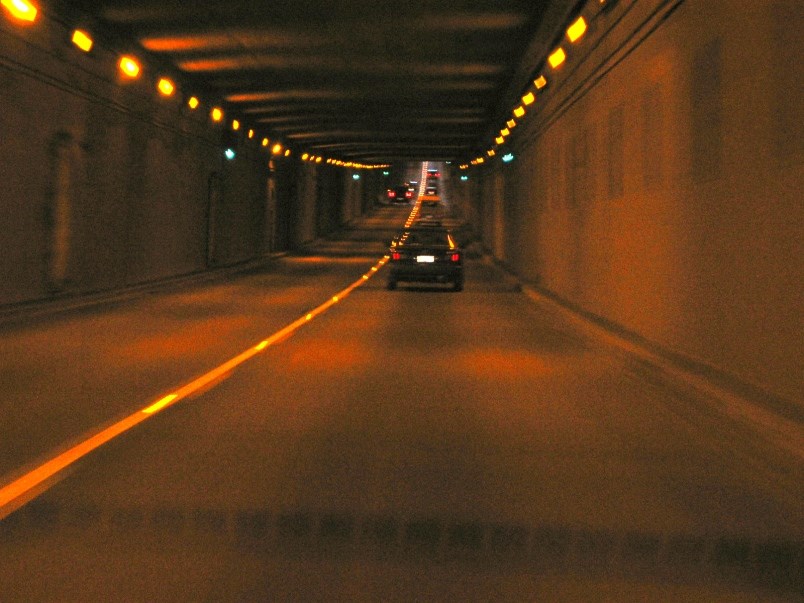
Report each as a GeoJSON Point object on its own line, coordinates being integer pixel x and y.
{"type": "Point", "coordinates": [574, 32]}
{"type": "Point", "coordinates": [25, 12]}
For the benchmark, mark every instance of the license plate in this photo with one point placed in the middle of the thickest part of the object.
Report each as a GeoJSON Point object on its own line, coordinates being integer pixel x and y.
{"type": "Point", "coordinates": [428, 259]}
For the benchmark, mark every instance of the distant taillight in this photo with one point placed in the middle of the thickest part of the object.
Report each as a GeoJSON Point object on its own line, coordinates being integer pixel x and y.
{"type": "Point", "coordinates": [396, 255]}
{"type": "Point", "coordinates": [455, 257]}
{"type": "Point", "coordinates": [390, 193]}
{"type": "Point", "coordinates": [408, 195]}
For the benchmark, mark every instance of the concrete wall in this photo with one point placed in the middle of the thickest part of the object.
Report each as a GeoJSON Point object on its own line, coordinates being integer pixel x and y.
{"type": "Point", "coordinates": [108, 185]}
{"type": "Point", "coordinates": [657, 185]}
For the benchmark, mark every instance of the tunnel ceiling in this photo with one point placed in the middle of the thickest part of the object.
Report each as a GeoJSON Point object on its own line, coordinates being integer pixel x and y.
{"type": "Point", "coordinates": [360, 80]}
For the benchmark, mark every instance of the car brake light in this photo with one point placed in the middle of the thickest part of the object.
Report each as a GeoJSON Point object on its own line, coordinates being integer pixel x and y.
{"type": "Point", "coordinates": [408, 195]}
{"type": "Point", "coordinates": [396, 255]}
{"type": "Point", "coordinates": [390, 193]}
{"type": "Point", "coordinates": [455, 257]}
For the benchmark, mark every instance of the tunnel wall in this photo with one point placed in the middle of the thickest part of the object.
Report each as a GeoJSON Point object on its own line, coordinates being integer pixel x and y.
{"type": "Point", "coordinates": [657, 186]}
{"type": "Point", "coordinates": [107, 185]}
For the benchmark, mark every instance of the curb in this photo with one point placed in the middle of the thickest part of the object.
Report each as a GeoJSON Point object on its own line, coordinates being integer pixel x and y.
{"type": "Point", "coordinates": [53, 306]}
{"type": "Point", "coordinates": [780, 420]}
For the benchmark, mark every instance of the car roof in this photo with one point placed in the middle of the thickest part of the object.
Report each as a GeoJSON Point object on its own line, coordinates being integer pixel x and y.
{"type": "Point", "coordinates": [431, 235]}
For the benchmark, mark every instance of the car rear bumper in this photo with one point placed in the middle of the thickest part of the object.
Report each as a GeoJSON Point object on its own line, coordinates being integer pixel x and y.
{"type": "Point", "coordinates": [444, 273]}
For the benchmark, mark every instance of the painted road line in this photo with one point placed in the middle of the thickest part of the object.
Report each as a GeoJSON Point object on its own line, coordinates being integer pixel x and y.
{"type": "Point", "coordinates": [32, 484]}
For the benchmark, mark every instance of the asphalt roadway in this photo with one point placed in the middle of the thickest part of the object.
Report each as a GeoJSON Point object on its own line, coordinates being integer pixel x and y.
{"type": "Point", "coordinates": [409, 445]}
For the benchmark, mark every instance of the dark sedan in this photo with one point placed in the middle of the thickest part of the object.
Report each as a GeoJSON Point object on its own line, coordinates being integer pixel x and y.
{"type": "Point", "coordinates": [426, 254]}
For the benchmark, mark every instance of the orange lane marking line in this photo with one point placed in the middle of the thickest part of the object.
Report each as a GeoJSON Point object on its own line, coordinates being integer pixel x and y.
{"type": "Point", "coordinates": [18, 492]}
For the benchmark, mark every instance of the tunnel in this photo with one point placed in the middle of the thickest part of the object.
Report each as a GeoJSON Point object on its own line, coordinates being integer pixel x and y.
{"type": "Point", "coordinates": [198, 239]}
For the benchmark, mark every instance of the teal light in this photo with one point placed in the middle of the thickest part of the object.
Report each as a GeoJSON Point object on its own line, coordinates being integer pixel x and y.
{"type": "Point", "coordinates": [386, 173]}
{"type": "Point", "coordinates": [355, 176]}
{"type": "Point", "coordinates": [508, 158]}
{"type": "Point", "coordinates": [464, 178]}
{"type": "Point", "coordinates": [230, 154]}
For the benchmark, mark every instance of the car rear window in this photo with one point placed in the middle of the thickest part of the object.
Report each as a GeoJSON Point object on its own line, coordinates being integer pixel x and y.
{"type": "Point", "coordinates": [427, 237]}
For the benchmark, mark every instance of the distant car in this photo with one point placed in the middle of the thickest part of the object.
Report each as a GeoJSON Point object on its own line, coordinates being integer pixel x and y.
{"type": "Point", "coordinates": [431, 190]}
{"type": "Point", "coordinates": [403, 194]}
{"type": "Point", "coordinates": [429, 200]}
{"type": "Point", "coordinates": [425, 254]}
{"type": "Point", "coordinates": [428, 221]}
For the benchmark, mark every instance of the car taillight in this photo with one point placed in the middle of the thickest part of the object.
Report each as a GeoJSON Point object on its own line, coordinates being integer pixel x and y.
{"type": "Point", "coordinates": [455, 257]}
{"type": "Point", "coordinates": [408, 195]}
{"type": "Point", "coordinates": [396, 255]}
{"type": "Point", "coordinates": [390, 193]}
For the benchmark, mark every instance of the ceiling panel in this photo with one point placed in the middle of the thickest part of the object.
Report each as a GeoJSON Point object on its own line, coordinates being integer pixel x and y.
{"type": "Point", "coordinates": [412, 80]}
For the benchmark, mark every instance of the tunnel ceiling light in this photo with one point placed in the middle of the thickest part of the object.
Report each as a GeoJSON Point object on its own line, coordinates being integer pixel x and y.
{"type": "Point", "coordinates": [576, 30]}
{"type": "Point", "coordinates": [21, 9]}
{"type": "Point", "coordinates": [318, 159]}
{"type": "Point", "coordinates": [251, 133]}
{"type": "Point", "coordinates": [287, 152]}
{"type": "Point", "coordinates": [193, 102]}
{"type": "Point", "coordinates": [557, 58]}
{"type": "Point", "coordinates": [129, 67]}
{"type": "Point", "coordinates": [491, 153]}
{"type": "Point", "coordinates": [499, 140]}
{"type": "Point", "coordinates": [82, 40]}
{"type": "Point", "coordinates": [505, 132]}
{"type": "Point", "coordinates": [355, 176]}
{"type": "Point", "coordinates": [265, 142]}
{"type": "Point", "coordinates": [511, 123]}
{"type": "Point", "coordinates": [166, 87]}
{"type": "Point", "coordinates": [519, 111]}
{"type": "Point", "coordinates": [276, 149]}
{"type": "Point", "coordinates": [529, 99]}
{"type": "Point", "coordinates": [230, 154]}
{"type": "Point", "coordinates": [481, 159]}
{"type": "Point", "coordinates": [235, 125]}
{"type": "Point", "coordinates": [217, 114]}
{"type": "Point", "coordinates": [540, 82]}
{"type": "Point", "coordinates": [304, 156]}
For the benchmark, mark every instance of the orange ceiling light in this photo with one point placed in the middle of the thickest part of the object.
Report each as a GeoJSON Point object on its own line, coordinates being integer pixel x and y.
{"type": "Point", "coordinates": [511, 123]}
{"type": "Point", "coordinates": [82, 40]}
{"type": "Point", "coordinates": [499, 140]}
{"type": "Point", "coordinates": [217, 114]}
{"type": "Point", "coordinates": [129, 67]}
{"type": "Point", "coordinates": [540, 82]}
{"type": "Point", "coordinates": [557, 58]}
{"type": "Point", "coordinates": [265, 142]}
{"type": "Point", "coordinates": [519, 111]}
{"type": "Point", "coordinates": [576, 30]}
{"type": "Point", "coordinates": [251, 133]}
{"type": "Point", "coordinates": [21, 9]}
{"type": "Point", "coordinates": [528, 99]}
{"type": "Point", "coordinates": [277, 149]}
{"type": "Point", "coordinates": [235, 125]}
{"type": "Point", "coordinates": [166, 87]}
{"type": "Point", "coordinates": [193, 103]}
